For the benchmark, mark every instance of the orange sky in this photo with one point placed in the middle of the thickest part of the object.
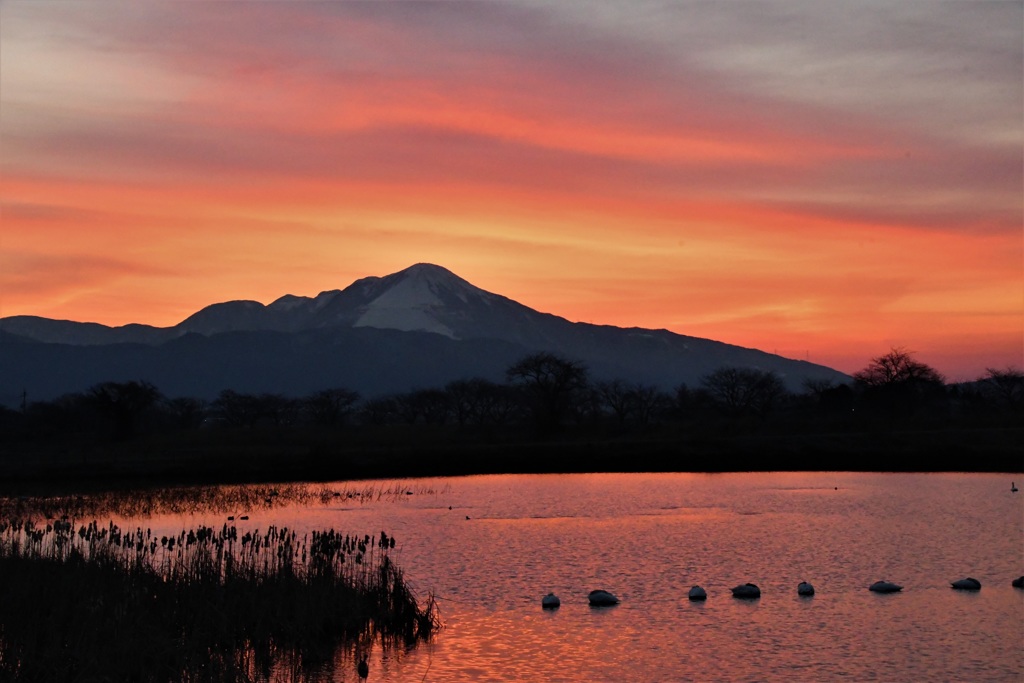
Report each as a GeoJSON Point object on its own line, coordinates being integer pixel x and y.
{"type": "Point", "coordinates": [816, 181]}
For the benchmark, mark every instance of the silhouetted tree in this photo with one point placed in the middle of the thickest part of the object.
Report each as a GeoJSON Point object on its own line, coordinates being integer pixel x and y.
{"type": "Point", "coordinates": [426, 405]}
{"type": "Point", "coordinates": [635, 404]}
{"type": "Point", "coordinates": [895, 368]}
{"type": "Point", "coordinates": [682, 401]}
{"type": "Point", "coordinates": [693, 403]}
{"type": "Point", "coordinates": [650, 404]}
{"type": "Point", "coordinates": [837, 399]}
{"type": "Point", "coordinates": [238, 410]}
{"type": "Point", "coordinates": [498, 404]}
{"type": "Point", "coordinates": [816, 387]}
{"type": "Point", "coordinates": [330, 406]}
{"type": "Point", "coordinates": [1004, 388]}
{"type": "Point", "coordinates": [829, 397]}
{"type": "Point", "coordinates": [433, 405]}
{"type": "Point", "coordinates": [616, 396]}
{"type": "Point", "coordinates": [378, 411]}
{"type": "Point", "coordinates": [898, 385]}
{"type": "Point", "coordinates": [744, 391]}
{"type": "Point", "coordinates": [248, 410]}
{"type": "Point", "coordinates": [463, 399]}
{"type": "Point", "coordinates": [66, 414]}
{"type": "Point", "coordinates": [478, 401]}
{"type": "Point", "coordinates": [586, 407]}
{"type": "Point", "coordinates": [276, 409]}
{"type": "Point", "coordinates": [124, 403]}
{"type": "Point", "coordinates": [186, 412]}
{"type": "Point", "coordinates": [549, 384]}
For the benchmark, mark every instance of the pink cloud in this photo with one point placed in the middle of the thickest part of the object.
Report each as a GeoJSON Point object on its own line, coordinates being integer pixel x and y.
{"type": "Point", "coordinates": [510, 141]}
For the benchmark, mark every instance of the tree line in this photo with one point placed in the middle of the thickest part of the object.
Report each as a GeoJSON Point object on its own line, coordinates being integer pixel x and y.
{"type": "Point", "coordinates": [545, 394]}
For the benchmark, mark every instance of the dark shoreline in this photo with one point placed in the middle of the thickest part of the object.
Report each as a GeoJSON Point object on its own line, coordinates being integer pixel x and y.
{"type": "Point", "coordinates": [283, 455]}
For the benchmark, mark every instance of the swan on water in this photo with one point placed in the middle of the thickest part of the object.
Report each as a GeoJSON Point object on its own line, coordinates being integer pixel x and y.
{"type": "Point", "coordinates": [746, 590]}
{"type": "Point", "coordinates": [805, 589]}
{"type": "Point", "coordinates": [967, 584]}
{"type": "Point", "coordinates": [1013, 487]}
{"type": "Point", "coordinates": [601, 598]}
{"type": "Point", "coordinates": [697, 593]}
{"type": "Point", "coordinates": [1018, 583]}
{"type": "Point", "coordinates": [885, 587]}
{"type": "Point", "coordinates": [550, 601]}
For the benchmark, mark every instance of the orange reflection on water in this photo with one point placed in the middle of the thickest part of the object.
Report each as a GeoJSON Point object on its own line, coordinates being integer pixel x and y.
{"type": "Point", "coordinates": [490, 547]}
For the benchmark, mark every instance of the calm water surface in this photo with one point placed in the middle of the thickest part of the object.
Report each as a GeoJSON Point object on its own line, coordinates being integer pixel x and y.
{"type": "Point", "coordinates": [490, 547]}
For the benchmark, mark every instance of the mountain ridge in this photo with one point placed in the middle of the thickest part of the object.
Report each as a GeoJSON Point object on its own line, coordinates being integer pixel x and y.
{"type": "Point", "coordinates": [402, 311]}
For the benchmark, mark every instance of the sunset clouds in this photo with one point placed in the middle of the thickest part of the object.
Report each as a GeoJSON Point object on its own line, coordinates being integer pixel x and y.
{"type": "Point", "coordinates": [818, 179]}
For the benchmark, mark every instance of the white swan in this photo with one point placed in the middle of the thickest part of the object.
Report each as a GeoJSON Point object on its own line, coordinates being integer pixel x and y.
{"type": "Point", "coordinates": [805, 589]}
{"type": "Point", "coordinates": [967, 584]}
{"type": "Point", "coordinates": [885, 587]}
{"type": "Point", "coordinates": [600, 598]}
{"type": "Point", "coordinates": [746, 590]}
{"type": "Point", "coordinates": [697, 593]}
{"type": "Point", "coordinates": [550, 601]}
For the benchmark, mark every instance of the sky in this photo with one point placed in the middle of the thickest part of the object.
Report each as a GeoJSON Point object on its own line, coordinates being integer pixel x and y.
{"type": "Point", "coordinates": [822, 180]}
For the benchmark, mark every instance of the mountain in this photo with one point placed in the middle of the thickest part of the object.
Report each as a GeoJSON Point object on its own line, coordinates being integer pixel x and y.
{"type": "Point", "coordinates": [420, 327]}
{"type": "Point", "coordinates": [421, 298]}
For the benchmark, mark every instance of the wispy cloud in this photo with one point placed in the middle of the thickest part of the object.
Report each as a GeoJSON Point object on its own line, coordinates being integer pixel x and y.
{"type": "Point", "coordinates": [823, 163]}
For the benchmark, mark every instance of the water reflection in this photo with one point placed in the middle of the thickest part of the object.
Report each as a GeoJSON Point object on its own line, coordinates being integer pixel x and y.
{"type": "Point", "coordinates": [649, 538]}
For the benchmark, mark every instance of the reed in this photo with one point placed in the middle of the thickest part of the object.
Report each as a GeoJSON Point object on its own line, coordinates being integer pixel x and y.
{"type": "Point", "coordinates": [97, 602]}
{"type": "Point", "coordinates": [229, 499]}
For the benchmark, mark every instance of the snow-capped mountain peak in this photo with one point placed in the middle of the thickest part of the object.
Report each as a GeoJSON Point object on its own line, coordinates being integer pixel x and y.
{"type": "Point", "coordinates": [417, 299]}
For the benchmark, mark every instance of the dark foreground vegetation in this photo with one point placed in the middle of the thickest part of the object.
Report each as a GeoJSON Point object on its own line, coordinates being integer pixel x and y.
{"type": "Point", "coordinates": [896, 415]}
{"type": "Point", "coordinates": [98, 603]}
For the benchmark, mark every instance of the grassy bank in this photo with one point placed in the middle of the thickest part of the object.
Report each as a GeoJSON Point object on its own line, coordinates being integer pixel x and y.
{"type": "Point", "coordinates": [96, 602]}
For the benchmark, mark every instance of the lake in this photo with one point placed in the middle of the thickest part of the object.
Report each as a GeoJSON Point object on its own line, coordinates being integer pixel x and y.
{"type": "Point", "coordinates": [490, 547]}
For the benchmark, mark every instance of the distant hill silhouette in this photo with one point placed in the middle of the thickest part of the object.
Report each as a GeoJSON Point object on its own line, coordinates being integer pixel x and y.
{"type": "Point", "coordinates": [421, 327]}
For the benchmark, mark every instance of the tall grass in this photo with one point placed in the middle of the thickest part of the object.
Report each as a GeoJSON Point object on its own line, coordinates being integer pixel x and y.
{"type": "Point", "coordinates": [199, 499]}
{"type": "Point", "coordinates": [97, 602]}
